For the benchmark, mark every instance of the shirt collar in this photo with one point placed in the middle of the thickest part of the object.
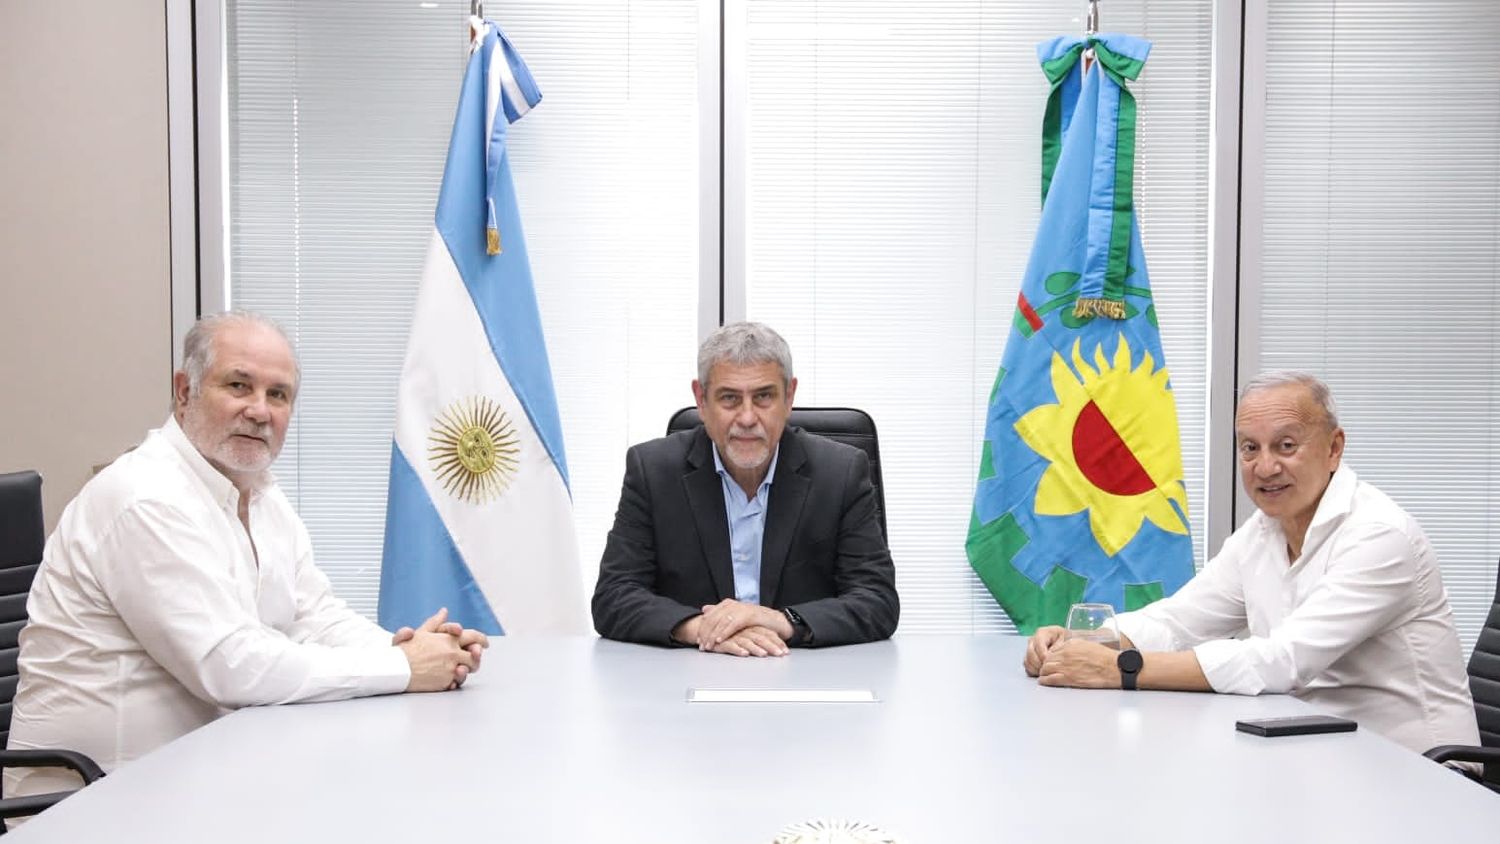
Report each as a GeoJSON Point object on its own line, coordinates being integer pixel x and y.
{"type": "Point", "coordinates": [219, 486]}
{"type": "Point", "coordinates": [1338, 498]}
{"type": "Point", "coordinates": [1337, 502]}
{"type": "Point", "coordinates": [724, 473]}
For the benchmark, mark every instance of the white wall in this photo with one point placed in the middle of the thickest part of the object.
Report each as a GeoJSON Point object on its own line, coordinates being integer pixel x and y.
{"type": "Point", "coordinates": [85, 335]}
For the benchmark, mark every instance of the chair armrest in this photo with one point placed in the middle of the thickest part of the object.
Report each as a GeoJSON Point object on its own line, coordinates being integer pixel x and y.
{"type": "Point", "coordinates": [21, 807]}
{"type": "Point", "coordinates": [83, 765]}
{"type": "Point", "coordinates": [1464, 753]}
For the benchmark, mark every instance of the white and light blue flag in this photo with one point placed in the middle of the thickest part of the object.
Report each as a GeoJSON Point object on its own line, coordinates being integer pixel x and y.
{"type": "Point", "coordinates": [479, 517]}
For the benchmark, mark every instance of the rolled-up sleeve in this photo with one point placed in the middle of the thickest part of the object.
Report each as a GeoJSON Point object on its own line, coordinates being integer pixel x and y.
{"type": "Point", "coordinates": [1365, 589]}
{"type": "Point", "coordinates": [1210, 606]}
{"type": "Point", "coordinates": [169, 590]}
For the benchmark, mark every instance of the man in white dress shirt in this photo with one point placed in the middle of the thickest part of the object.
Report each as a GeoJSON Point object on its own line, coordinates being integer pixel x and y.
{"type": "Point", "coordinates": [1338, 587]}
{"type": "Point", "coordinates": [180, 583]}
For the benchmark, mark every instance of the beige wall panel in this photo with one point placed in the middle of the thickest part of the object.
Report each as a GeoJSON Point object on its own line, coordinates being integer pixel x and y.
{"type": "Point", "coordinates": [85, 332]}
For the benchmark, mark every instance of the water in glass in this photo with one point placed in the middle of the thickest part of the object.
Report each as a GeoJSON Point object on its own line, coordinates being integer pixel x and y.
{"type": "Point", "coordinates": [1094, 623]}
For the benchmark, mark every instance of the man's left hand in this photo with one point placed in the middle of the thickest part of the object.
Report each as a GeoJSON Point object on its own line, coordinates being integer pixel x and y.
{"type": "Point", "coordinates": [470, 640]}
{"type": "Point", "coordinates": [1082, 665]}
{"type": "Point", "coordinates": [722, 621]}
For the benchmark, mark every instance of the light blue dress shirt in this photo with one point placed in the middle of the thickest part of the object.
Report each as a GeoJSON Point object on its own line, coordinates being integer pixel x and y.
{"type": "Point", "coordinates": [747, 526]}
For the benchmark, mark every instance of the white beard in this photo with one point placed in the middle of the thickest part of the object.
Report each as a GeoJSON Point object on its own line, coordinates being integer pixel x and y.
{"type": "Point", "coordinates": [224, 448]}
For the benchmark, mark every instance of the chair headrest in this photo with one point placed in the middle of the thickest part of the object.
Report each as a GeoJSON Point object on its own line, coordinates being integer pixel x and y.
{"type": "Point", "coordinates": [22, 531]}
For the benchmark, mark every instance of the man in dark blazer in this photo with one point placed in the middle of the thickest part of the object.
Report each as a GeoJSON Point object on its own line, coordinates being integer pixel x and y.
{"type": "Point", "coordinates": [745, 536]}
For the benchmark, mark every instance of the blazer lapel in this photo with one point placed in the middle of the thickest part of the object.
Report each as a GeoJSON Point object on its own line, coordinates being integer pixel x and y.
{"type": "Point", "coordinates": [705, 495]}
{"type": "Point", "coordinates": [788, 493]}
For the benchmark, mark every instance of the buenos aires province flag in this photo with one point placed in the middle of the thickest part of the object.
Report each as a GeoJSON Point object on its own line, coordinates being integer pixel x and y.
{"type": "Point", "coordinates": [479, 518]}
{"type": "Point", "coordinates": [1080, 494]}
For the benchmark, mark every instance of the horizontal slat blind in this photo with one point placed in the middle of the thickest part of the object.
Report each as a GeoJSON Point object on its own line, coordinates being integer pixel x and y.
{"type": "Point", "coordinates": [1381, 245]}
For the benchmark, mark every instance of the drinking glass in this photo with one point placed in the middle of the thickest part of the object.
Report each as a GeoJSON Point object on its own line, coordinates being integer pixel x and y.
{"type": "Point", "coordinates": [1094, 623]}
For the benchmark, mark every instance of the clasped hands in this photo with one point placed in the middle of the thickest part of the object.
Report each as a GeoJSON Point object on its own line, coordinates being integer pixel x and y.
{"type": "Point", "coordinates": [739, 629]}
{"type": "Point", "coordinates": [442, 653]}
{"type": "Point", "coordinates": [1056, 660]}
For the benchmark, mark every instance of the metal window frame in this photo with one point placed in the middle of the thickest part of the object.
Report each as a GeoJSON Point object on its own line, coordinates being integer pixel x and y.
{"type": "Point", "coordinates": [715, 254]}
{"type": "Point", "coordinates": [1228, 276]}
{"type": "Point", "coordinates": [197, 161]}
{"type": "Point", "coordinates": [1252, 194]}
{"type": "Point", "coordinates": [734, 158]}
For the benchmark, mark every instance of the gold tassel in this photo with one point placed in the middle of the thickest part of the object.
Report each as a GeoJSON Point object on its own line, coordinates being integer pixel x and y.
{"type": "Point", "coordinates": [1085, 308]}
{"type": "Point", "coordinates": [492, 241]}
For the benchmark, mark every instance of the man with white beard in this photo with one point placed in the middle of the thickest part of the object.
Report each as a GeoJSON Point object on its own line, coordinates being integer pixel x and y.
{"type": "Point", "coordinates": [746, 536]}
{"type": "Point", "coordinates": [180, 583]}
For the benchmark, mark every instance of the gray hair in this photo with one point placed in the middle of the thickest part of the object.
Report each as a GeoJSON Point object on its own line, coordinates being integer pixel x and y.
{"type": "Point", "coordinates": [1316, 387]}
{"type": "Point", "coordinates": [198, 346]}
{"type": "Point", "coordinates": [744, 344]}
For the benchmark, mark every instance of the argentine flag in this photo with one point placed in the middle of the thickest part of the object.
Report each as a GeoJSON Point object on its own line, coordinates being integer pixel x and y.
{"type": "Point", "coordinates": [479, 518]}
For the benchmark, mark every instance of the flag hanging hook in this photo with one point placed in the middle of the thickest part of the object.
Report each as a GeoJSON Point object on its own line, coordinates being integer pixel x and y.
{"type": "Point", "coordinates": [1090, 29]}
{"type": "Point", "coordinates": [476, 24]}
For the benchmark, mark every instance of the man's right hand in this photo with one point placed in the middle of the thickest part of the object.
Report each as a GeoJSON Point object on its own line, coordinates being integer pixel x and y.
{"type": "Point", "coordinates": [435, 655]}
{"type": "Point", "coordinates": [1042, 641]}
{"type": "Point", "coordinates": [755, 640]}
{"type": "Point", "coordinates": [725, 620]}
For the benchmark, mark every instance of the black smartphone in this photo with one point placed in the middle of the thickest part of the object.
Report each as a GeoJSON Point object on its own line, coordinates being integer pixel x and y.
{"type": "Point", "coordinates": [1296, 725]}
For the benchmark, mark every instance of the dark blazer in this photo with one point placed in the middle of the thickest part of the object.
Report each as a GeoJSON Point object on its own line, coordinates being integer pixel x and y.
{"type": "Point", "coordinates": [823, 553]}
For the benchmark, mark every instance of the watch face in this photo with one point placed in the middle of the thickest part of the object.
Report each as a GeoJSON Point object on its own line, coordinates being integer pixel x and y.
{"type": "Point", "coordinates": [1130, 660]}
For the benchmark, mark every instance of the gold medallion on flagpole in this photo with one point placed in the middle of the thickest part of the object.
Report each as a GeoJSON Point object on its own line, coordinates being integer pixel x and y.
{"type": "Point", "coordinates": [474, 449]}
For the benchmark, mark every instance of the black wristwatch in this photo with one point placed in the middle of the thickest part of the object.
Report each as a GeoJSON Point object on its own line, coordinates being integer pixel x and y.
{"type": "Point", "coordinates": [801, 633]}
{"type": "Point", "coordinates": [1129, 662]}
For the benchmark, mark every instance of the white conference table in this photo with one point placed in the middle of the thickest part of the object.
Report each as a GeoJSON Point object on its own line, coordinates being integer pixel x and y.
{"type": "Point", "coordinates": [582, 740]}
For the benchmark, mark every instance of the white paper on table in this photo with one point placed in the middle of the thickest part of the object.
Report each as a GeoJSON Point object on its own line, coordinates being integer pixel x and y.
{"type": "Point", "coordinates": [782, 696]}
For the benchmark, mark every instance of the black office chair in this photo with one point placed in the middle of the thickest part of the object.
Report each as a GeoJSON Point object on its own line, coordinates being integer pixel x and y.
{"type": "Point", "coordinates": [840, 424]}
{"type": "Point", "coordinates": [22, 536]}
{"type": "Point", "coordinates": [1484, 683]}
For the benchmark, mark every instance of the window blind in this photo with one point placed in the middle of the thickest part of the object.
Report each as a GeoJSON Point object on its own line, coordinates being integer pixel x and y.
{"type": "Point", "coordinates": [1380, 244]}
{"type": "Point", "coordinates": [892, 181]}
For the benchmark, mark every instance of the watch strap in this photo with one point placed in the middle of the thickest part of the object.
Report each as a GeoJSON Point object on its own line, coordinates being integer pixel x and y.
{"type": "Point", "coordinates": [1130, 663]}
{"type": "Point", "coordinates": [801, 633]}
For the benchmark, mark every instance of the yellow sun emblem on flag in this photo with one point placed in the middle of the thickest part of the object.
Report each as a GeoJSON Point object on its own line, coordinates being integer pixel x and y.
{"type": "Point", "coordinates": [1112, 443]}
{"type": "Point", "coordinates": [474, 449]}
